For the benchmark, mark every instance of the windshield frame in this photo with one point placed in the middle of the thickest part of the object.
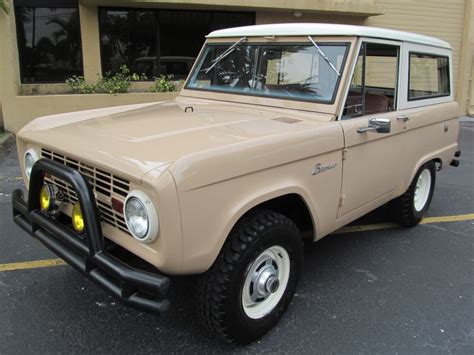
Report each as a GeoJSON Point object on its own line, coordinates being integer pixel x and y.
{"type": "Point", "coordinates": [343, 42]}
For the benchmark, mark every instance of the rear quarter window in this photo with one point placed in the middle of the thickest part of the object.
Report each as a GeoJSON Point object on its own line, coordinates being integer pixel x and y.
{"type": "Point", "coordinates": [428, 76]}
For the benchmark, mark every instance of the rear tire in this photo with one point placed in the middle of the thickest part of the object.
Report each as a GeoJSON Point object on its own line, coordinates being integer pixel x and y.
{"type": "Point", "coordinates": [251, 283]}
{"type": "Point", "coordinates": [409, 208]}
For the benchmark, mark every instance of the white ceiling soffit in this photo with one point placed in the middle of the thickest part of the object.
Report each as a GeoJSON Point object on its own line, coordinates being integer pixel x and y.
{"type": "Point", "coordinates": [364, 8]}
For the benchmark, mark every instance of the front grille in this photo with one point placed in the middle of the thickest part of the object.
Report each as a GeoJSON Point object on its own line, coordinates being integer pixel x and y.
{"type": "Point", "coordinates": [105, 185]}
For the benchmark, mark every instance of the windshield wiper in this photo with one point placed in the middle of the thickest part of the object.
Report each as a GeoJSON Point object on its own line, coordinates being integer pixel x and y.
{"type": "Point", "coordinates": [225, 54]}
{"type": "Point", "coordinates": [325, 57]}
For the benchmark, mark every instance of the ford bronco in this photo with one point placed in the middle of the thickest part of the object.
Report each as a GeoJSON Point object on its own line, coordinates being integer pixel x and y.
{"type": "Point", "coordinates": [281, 132]}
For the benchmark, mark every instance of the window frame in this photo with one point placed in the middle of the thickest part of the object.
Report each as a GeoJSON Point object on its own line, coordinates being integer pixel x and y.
{"type": "Point", "coordinates": [430, 55]}
{"type": "Point", "coordinates": [324, 102]}
{"type": "Point", "coordinates": [398, 85]}
{"type": "Point", "coordinates": [408, 47]}
{"type": "Point", "coordinates": [64, 4]}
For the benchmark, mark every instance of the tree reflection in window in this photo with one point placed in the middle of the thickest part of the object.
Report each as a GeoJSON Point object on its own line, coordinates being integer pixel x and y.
{"type": "Point", "coordinates": [49, 43]}
{"type": "Point", "coordinates": [159, 41]}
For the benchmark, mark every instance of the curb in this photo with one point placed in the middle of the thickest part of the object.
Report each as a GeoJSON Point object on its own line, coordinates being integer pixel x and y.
{"type": "Point", "coordinates": [6, 139]}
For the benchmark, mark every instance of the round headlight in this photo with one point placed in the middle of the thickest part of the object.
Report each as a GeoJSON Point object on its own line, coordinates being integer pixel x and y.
{"type": "Point", "coordinates": [137, 218]}
{"type": "Point", "coordinates": [30, 159]}
{"type": "Point", "coordinates": [140, 216]}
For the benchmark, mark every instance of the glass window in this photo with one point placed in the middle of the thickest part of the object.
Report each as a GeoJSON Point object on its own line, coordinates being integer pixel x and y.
{"type": "Point", "coordinates": [159, 42]}
{"type": "Point", "coordinates": [429, 76]}
{"type": "Point", "coordinates": [49, 41]}
{"type": "Point", "coordinates": [128, 37]}
{"type": "Point", "coordinates": [373, 87]}
{"type": "Point", "coordinates": [284, 71]}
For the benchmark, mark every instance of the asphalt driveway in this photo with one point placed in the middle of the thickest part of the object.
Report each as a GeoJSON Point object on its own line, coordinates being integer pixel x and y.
{"type": "Point", "coordinates": [377, 290]}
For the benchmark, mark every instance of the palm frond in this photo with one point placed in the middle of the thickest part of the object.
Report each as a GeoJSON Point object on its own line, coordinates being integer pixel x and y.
{"type": "Point", "coordinates": [4, 6]}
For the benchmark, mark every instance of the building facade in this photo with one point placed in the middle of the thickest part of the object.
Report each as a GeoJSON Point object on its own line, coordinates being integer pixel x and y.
{"type": "Point", "coordinates": [45, 42]}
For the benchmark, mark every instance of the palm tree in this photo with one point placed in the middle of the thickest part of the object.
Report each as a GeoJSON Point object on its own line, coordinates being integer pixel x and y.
{"type": "Point", "coordinates": [4, 5]}
{"type": "Point", "coordinates": [67, 38]}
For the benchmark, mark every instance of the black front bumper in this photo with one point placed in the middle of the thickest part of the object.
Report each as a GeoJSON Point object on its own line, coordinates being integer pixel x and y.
{"type": "Point", "coordinates": [87, 252]}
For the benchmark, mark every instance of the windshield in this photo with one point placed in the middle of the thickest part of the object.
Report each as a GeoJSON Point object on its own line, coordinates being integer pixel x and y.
{"type": "Point", "coordinates": [291, 71]}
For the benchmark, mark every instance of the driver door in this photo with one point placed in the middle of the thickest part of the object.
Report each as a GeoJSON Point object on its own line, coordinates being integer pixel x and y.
{"type": "Point", "coordinates": [372, 127]}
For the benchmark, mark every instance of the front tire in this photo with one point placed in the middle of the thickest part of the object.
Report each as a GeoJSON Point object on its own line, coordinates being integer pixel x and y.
{"type": "Point", "coordinates": [250, 285]}
{"type": "Point", "coordinates": [409, 209]}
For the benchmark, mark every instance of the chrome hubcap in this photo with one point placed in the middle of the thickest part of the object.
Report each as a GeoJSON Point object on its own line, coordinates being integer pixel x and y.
{"type": "Point", "coordinates": [272, 284]}
{"type": "Point", "coordinates": [265, 282]}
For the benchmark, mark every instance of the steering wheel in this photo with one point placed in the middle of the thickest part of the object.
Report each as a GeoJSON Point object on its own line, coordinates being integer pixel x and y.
{"type": "Point", "coordinates": [228, 75]}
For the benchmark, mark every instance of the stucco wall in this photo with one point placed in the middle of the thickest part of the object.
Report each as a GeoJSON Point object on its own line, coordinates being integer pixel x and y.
{"type": "Point", "coordinates": [8, 73]}
{"type": "Point", "coordinates": [20, 109]}
{"type": "Point", "coordinates": [471, 97]}
{"type": "Point", "coordinates": [264, 17]}
{"type": "Point", "coordinates": [449, 20]}
{"type": "Point", "coordinates": [438, 18]}
{"type": "Point", "coordinates": [1, 116]}
{"type": "Point", "coordinates": [353, 7]}
{"type": "Point", "coordinates": [90, 41]}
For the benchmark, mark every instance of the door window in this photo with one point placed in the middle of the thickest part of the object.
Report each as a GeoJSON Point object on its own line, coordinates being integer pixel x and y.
{"type": "Point", "coordinates": [373, 86]}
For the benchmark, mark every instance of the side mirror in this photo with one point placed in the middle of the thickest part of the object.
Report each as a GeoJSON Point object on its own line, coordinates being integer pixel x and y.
{"type": "Point", "coordinates": [379, 125]}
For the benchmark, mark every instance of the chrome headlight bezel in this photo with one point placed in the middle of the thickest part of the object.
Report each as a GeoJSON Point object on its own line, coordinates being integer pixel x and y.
{"type": "Point", "coordinates": [30, 157]}
{"type": "Point", "coordinates": [150, 211]}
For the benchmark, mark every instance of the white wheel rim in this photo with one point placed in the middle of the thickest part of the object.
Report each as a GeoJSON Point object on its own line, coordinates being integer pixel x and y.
{"type": "Point", "coordinates": [422, 190]}
{"type": "Point", "coordinates": [265, 282]}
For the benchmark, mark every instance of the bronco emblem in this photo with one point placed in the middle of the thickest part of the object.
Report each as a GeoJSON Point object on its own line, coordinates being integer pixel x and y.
{"type": "Point", "coordinates": [319, 168]}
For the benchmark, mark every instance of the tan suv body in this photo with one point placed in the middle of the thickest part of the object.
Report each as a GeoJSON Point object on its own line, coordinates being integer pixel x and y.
{"type": "Point", "coordinates": [253, 131]}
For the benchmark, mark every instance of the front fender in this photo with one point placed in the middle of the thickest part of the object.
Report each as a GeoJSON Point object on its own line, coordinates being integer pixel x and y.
{"type": "Point", "coordinates": [206, 227]}
{"type": "Point", "coordinates": [209, 213]}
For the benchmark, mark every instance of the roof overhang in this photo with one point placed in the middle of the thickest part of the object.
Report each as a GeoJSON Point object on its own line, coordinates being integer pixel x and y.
{"type": "Point", "coordinates": [361, 8]}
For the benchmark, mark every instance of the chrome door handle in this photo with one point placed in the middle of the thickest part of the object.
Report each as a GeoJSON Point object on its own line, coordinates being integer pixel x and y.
{"type": "Point", "coordinates": [367, 129]}
{"type": "Point", "coordinates": [403, 118]}
{"type": "Point", "coordinates": [379, 125]}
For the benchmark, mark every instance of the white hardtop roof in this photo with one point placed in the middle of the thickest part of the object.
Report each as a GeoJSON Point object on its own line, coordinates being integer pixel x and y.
{"type": "Point", "coordinates": [325, 29]}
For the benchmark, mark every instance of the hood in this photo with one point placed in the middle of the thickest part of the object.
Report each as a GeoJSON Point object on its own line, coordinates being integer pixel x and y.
{"type": "Point", "coordinates": [138, 138]}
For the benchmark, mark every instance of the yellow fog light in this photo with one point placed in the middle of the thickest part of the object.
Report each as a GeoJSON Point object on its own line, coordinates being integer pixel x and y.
{"type": "Point", "coordinates": [46, 197]}
{"type": "Point", "coordinates": [77, 219]}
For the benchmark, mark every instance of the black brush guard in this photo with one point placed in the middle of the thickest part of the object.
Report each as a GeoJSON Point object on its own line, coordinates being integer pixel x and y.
{"type": "Point", "coordinates": [133, 287]}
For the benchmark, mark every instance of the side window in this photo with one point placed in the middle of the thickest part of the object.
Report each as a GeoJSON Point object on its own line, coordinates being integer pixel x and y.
{"type": "Point", "coordinates": [374, 82]}
{"type": "Point", "coordinates": [429, 76]}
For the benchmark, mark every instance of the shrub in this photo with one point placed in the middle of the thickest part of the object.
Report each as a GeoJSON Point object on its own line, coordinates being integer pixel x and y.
{"type": "Point", "coordinates": [163, 83]}
{"type": "Point", "coordinates": [79, 85]}
{"type": "Point", "coordinates": [110, 84]}
{"type": "Point", "coordinates": [119, 82]}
